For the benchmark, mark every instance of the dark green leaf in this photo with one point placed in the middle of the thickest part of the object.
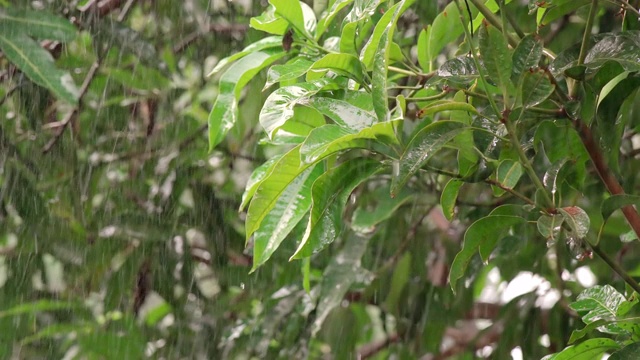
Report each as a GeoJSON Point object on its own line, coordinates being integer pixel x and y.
{"type": "Point", "coordinates": [364, 221]}
{"type": "Point", "coordinates": [509, 173]}
{"type": "Point", "coordinates": [38, 65]}
{"type": "Point", "coordinates": [526, 56]}
{"type": "Point", "coordinates": [262, 44]}
{"type": "Point", "coordinates": [495, 55]}
{"type": "Point", "coordinates": [550, 227]}
{"type": "Point", "coordinates": [629, 352]}
{"type": "Point", "coordinates": [536, 88]}
{"type": "Point", "coordinates": [39, 24]}
{"type": "Point", "coordinates": [446, 27]}
{"type": "Point", "coordinates": [615, 202]}
{"type": "Point", "coordinates": [577, 219]}
{"type": "Point", "coordinates": [449, 197]}
{"type": "Point", "coordinates": [289, 71]}
{"type": "Point", "coordinates": [485, 230]}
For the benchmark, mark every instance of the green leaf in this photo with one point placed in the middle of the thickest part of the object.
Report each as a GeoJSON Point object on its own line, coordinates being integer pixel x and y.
{"type": "Point", "coordinates": [262, 44]}
{"type": "Point", "coordinates": [446, 27]}
{"type": "Point", "coordinates": [295, 131]}
{"type": "Point", "coordinates": [327, 18]}
{"type": "Point", "coordinates": [256, 178]}
{"type": "Point", "coordinates": [332, 138]}
{"type": "Point", "coordinates": [445, 105]}
{"type": "Point", "coordinates": [484, 230]}
{"type": "Point", "coordinates": [461, 69]}
{"type": "Point", "coordinates": [298, 14]}
{"type": "Point", "coordinates": [526, 56]}
{"type": "Point", "coordinates": [509, 173]}
{"type": "Point", "coordinates": [421, 148]}
{"type": "Point", "coordinates": [289, 71]}
{"type": "Point", "coordinates": [449, 197]}
{"type": "Point", "coordinates": [329, 196]}
{"type": "Point", "coordinates": [588, 350]}
{"type": "Point", "coordinates": [344, 113]}
{"type": "Point", "coordinates": [599, 303]}
{"type": "Point", "coordinates": [615, 202]}
{"type": "Point", "coordinates": [38, 64]}
{"type": "Point", "coordinates": [536, 87]}
{"type": "Point", "coordinates": [342, 64]}
{"type": "Point", "coordinates": [344, 269]}
{"type": "Point", "coordinates": [550, 179]}
{"type": "Point", "coordinates": [550, 227]}
{"type": "Point", "coordinates": [383, 33]}
{"type": "Point", "coordinates": [496, 56]}
{"type": "Point", "coordinates": [423, 49]}
{"type": "Point", "coordinates": [577, 219]}
{"type": "Point", "coordinates": [365, 221]}
{"type": "Point", "coordinates": [270, 22]}
{"type": "Point", "coordinates": [580, 333]}
{"type": "Point", "coordinates": [39, 306]}
{"type": "Point", "coordinates": [289, 209]}
{"type": "Point", "coordinates": [39, 24]}
{"type": "Point", "coordinates": [225, 109]}
{"type": "Point", "coordinates": [278, 108]}
{"type": "Point", "coordinates": [629, 352]}
{"type": "Point", "coordinates": [359, 16]}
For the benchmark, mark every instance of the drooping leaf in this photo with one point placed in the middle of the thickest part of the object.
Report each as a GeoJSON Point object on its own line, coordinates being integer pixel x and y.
{"type": "Point", "coordinates": [496, 56]}
{"type": "Point", "coordinates": [37, 64]}
{"type": "Point", "coordinates": [449, 197]}
{"type": "Point", "coordinates": [225, 109]}
{"type": "Point", "coordinates": [484, 230]}
{"type": "Point", "coordinates": [331, 138]}
{"type": "Point", "coordinates": [536, 87]}
{"type": "Point", "coordinates": [39, 24]}
{"type": "Point", "coordinates": [329, 196]}
{"type": "Point", "coordinates": [344, 269]}
{"type": "Point", "coordinates": [278, 108]}
{"type": "Point", "coordinates": [289, 209]}
{"type": "Point", "coordinates": [590, 349]}
{"type": "Point", "coordinates": [421, 148]}
{"type": "Point", "coordinates": [289, 71]}
{"type": "Point", "coordinates": [365, 221]}
{"type": "Point", "coordinates": [616, 202]}
{"type": "Point", "coordinates": [342, 64]}
{"type": "Point", "coordinates": [577, 219]}
{"type": "Point", "coordinates": [343, 113]}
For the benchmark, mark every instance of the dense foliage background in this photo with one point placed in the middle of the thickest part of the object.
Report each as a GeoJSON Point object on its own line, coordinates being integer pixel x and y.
{"type": "Point", "coordinates": [415, 179]}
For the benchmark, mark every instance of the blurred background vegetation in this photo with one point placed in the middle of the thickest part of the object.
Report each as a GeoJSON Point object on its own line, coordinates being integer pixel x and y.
{"type": "Point", "coordinates": [120, 236]}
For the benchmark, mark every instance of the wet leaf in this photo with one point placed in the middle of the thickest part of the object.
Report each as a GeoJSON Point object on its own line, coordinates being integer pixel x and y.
{"type": "Point", "coordinates": [484, 231]}
{"type": "Point", "coordinates": [295, 130]}
{"type": "Point", "coordinates": [344, 113]}
{"type": "Point", "coordinates": [629, 352]}
{"type": "Point", "coordinates": [526, 56]}
{"type": "Point", "coordinates": [590, 349]}
{"type": "Point", "coordinates": [577, 219]}
{"type": "Point", "coordinates": [600, 303]}
{"type": "Point", "coordinates": [270, 22]}
{"type": "Point", "coordinates": [549, 227]}
{"type": "Point", "coordinates": [270, 42]}
{"type": "Point", "coordinates": [445, 105]}
{"type": "Point", "coordinates": [289, 209]}
{"type": "Point", "coordinates": [329, 196]}
{"type": "Point", "coordinates": [615, 202]}
{"type": "Point", "coordinates": [256, 178]}
{"type": "Point", "coordinates": [550, 179]}
{"type": "Point", "coordinates": [37, 64]}
{"type": "Point", "coordinates": [224, 114]}
{"type": "Point", "coordinates": [289, 71]}
{"type": "Point", "coordinates": [278, 108]}
{"type": "Point", "coordinates": [461, 69]}
{"type": "Point", "coordinates": [342, 64]}
{"type": "Point", "coordinates": [39, 24]}
{"type": "Point", "coordinates": [327, 19]}
{"type": "Point", "coordinates": [421, 148]}
{"type": "Point", "coordinates": [298, 14]}
{"type": "Point", "coordinates": [449, 197]}
{"type": "Point", "coordinates": [383, 33]}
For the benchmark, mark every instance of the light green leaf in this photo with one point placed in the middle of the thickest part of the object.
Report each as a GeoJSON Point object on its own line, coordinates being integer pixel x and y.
{"type": "Point", "coordinates": [270, 22]}
{"type": "Point", "coordinates": [358, 17]}
{"type": "Point", "coordinates": [225, 109]}
{"type": "Point", "coordinates": [496, 56]}
{"type": "Point", "coordinates": [262, 44]}
{"type": "Point", "coordinates": [256, 178]}
{"type": "Point", "coordinates": [364, 221]}
{"type": "Point", "coordinates": [445, 105]}
{"type": "Point", "coordinates": [278, 108]}
{"type": "Point", "coordinates": [449, 197]}
{"type": "Point", "coordinates": [536, 88]}
{"type": "Point", "coordinates": [509, 173]}
{"type": "Point", "coordinates": [383, 32]}
{"type": "Point", "coordinates": [298, 14]}
{"type": "Point", "coordinates": [289, 71]}
{"type": "Point", "coordinates": [342, 64]}
{"type": "Point", "coordinates": [484, 230]}
{"type": "Point", "coordinates": [423, 49]}
{"type": "Point", "coordinates": [344, 113]}
{"type": "Point", "coordinates": [615, 202]}
{"type": "Point", "coordinates": [329, 196]}
{"type": "Point", "coordinates": [580, 333]}
{"type": "Point", "coordinates": [599, 303]}
{"type": "Point", "coordinates": [39, 24]}
{"type": "Point", "coordinates": [421, 148]}
{"type": "Point", "coordinates": [588, 350]}
{"type": "Point", "coordinates": [332, 138]}
{"type": "Point", "coordinates": [327, 18]}
{"type": "Point", "coordinates": [289, 209]}
{"type": "Point", "coordinates": [295, 130]}
{"type": "Point", "coordinates": [38, 64]}
{"type": "Point", "coordinates": [577, 219]}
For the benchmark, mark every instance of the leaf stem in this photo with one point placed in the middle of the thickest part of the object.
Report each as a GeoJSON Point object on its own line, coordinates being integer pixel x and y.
{"type": "Point", "coordinates": [585, 43]}
{"type": "Point", "coordinates": [616, 267]}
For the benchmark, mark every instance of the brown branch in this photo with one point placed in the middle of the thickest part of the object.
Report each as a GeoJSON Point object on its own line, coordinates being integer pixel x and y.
{"type": "Point", "coordinates": [67, 119]}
